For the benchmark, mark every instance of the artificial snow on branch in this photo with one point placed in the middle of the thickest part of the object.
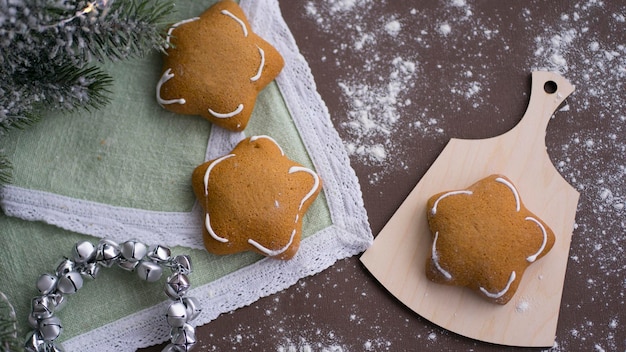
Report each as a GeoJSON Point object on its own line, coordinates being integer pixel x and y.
{"type": "Point", "coordinates": [9, 341]}
{"type": "Point", "coordinates": [49, 51]}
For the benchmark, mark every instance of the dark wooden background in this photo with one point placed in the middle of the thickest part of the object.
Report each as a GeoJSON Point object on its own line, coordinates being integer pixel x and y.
{"type": "Point", "coordinates": [457, 69]}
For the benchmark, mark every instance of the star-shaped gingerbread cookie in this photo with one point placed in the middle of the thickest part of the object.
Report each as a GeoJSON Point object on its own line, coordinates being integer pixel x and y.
{"type": "Point", "coordinates": [215, 66]}
{"type": "Point", "coordinates": [484, 238]}
{"type": "Point", "coordinates": [254, 199]}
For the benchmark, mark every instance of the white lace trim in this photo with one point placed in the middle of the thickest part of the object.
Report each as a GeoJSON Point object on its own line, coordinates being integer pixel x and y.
{"type": "Point", "coordinates": [349, 235]}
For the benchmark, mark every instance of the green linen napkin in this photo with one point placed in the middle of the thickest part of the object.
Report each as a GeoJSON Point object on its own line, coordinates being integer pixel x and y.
{"type": "Point", "coordinates": [132, 153]}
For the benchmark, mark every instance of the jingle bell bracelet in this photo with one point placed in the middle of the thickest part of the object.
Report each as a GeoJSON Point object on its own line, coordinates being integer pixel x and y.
{"type": "Point", "coordinates": [86, 262]}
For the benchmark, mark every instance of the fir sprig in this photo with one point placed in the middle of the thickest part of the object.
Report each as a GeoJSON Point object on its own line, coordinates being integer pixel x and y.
{"type": "Point", "coordinates": [48, 49]}
{"type": "Point", "coordinates": [5, 169]}
{"type": "Point", "coordinates": [9, 341]}
{"type": "Point", "coordinates": [78, 31]}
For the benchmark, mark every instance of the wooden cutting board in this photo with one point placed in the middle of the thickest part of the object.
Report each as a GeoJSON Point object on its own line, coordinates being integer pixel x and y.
{"type": "Point", "coordinates": [398, 256]}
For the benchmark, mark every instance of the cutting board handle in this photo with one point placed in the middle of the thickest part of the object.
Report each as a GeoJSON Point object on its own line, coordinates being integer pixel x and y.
{"type": "Point", "coordinates": [548, 91]}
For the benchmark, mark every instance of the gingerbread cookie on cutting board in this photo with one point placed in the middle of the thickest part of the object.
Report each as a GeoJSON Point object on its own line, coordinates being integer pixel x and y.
{"type": "Point", "coordinates": [215, 66]}
{"type": "Point", "coordinates": [397, 257]}
{"type": "Point", "coordinates": [484, 238]}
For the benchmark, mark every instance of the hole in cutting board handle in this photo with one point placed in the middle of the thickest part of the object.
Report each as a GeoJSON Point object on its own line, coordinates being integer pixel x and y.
{"type": "Point", "coordinates": [550, 87]}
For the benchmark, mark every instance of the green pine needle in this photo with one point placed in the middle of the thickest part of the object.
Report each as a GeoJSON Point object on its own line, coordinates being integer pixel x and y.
{"type": "Point", "coordinates": [5, 169]}
{"type": "Point", "coordinates": [9, 341]}
{"type": "Point", "coordinates": [48, 49]}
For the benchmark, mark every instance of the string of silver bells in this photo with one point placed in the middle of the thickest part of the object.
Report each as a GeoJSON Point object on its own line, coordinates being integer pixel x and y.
{"type": "Point", "coordinates": [87, 260]}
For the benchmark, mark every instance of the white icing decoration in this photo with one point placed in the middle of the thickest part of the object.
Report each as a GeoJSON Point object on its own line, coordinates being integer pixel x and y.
{"type": "Point", "coordinates": [316, 183]}
{"type": "Point", "coordinates": [209, 228]}
{"type": "Point", "coordinates": [533, 257]}
{"type": "Point", "coordinates": [207, 220]}
{"type": "Point", "coordinates": [273, 253]}
{"type": "Point", "coordinates": [243, 25]}
{"type": "Point", "coordinates": [433, 211]}
{"type": "Point", "coordinates": [510, 185]}
{"type": "Point", "coordinates": [167, 75]}
{"type": "Point", "coordinates": [504, 290]}
{"type": "Point", "coordinates": [435, 257]}
{"type": "Point", "coordinates": [175, 25]}
{"type": "Point", "coordinates": [261, 65]}
{"type": "Point", "coordinates": [269, 252]}
{"type": "Point", "coordinates": [227, 114]}
{"type": "Point", "coordinates": [210, 168]}
{"type": "Point", "coordinates": [254, 138]}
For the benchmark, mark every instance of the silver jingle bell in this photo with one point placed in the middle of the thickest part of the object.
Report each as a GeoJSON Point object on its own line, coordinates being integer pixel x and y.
{"type": "Point", "coordinates": [177, 285]}
{"type": "Point", "coordinates": [193, 307]}
{"type": "Point", "coordinates": [34, 342]}
{"type": "Point", "coordinates": [57, 300]}
{"type": "Point", "coordinates": [50, 328]}
{"type": "Point", "coordinates": [65, 266]}
{"type": "Point", "coordinates": [184, 337]}
{"type": "Point", "coordinates": [159, 254]}
{"type": "Point", "coordinates": [70, 282]}
{"type": "Point", "coordinates": [47, 283]}
{"type": "Point", "coordinates": [182, 264]}
{"type": "Point", "coordinates": [83, 252]}
{"type": "Point", "coordinates": [127, 264]}
{"type": "Point", "coordinates": [89, 270]}
{"type": "Point", "coordinates": [42, 307]}
{"type": "Point", "coordinates": [172, 348]}
{"type": "Point", "coordinates": [176, 315]}
{"type": "Point", "coordinates": [54, 348]}
{"type": "Point", "coordinates": [33, 322]}
{"type": "Point", "coordinates": [149, 271]}
{"type": "Point", "coordinates": [133, 250]}
{"type": "Point", "coordinates": [108, 253]}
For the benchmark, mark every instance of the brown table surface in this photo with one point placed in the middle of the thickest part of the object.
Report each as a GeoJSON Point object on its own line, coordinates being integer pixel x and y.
{"type": "Point", "coordinates": [400, 78]}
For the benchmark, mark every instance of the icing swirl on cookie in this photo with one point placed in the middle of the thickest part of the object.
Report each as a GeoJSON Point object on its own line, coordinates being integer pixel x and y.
{"type": "Point", "coordinates": [254, 138]}
{"type": "Point", "coordinates": [533, 257]}
{"type": "Point", "coordinates": [227, 114]}
{"type": "Point", "coordinates": [433, 211]}
{"type": "Point", "coordinates": [243, 25]}
{"type": "Point", "coordinates": [435, 257]}
{"type": "Point", "coordinates": [167, 75]}
{"type": "Point", "coordinates": [261, 65]}
{"type": "Point", "coordinates": [513, 189]}
{"type": "Point", "coordinates": [316, 184]}
{"type": "Point", "coordinates": [270, 252]}
{"type": "Point", "coordinates": [500, 293]}
{"type": "Point", "coordinates": [207, 219]}
{"type": "Point", "coordinates": [174, 26]}
{"type": "Point", "coordinates": [207, 224]}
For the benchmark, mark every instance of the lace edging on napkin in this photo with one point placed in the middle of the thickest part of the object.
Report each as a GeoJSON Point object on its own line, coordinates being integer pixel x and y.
{"type": "Point", "coordinates": [349, 235]}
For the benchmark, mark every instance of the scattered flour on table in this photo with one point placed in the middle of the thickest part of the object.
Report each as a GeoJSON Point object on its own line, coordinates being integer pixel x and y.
{"type": "Point", "coordinates": [378, 89]}
{"type": "Point", "coordinates": [597, 66]}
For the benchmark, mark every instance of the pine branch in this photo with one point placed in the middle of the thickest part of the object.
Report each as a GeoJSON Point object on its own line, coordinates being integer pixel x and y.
{"type": "Point", "coordinates": [48, 49]}
{"type": "Point", "coordinates": [64, 87]}
{"type": "Point", "coordinates": [62, 31]}
{"type": "Point", "coordinates": [8, 326]}
{"type": "Point", "coordinates": [42, 38]}
{"type": "Point", "coordinates": [5, 169]}
{"type": "Point", "coordinates": [68, 87]}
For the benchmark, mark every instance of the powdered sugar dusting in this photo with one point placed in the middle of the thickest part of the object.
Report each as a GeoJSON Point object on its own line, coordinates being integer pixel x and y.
{"type": "Point", "coordinates": [375, 110]}
{"type": "Point", "coordinates": [522, 305]}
